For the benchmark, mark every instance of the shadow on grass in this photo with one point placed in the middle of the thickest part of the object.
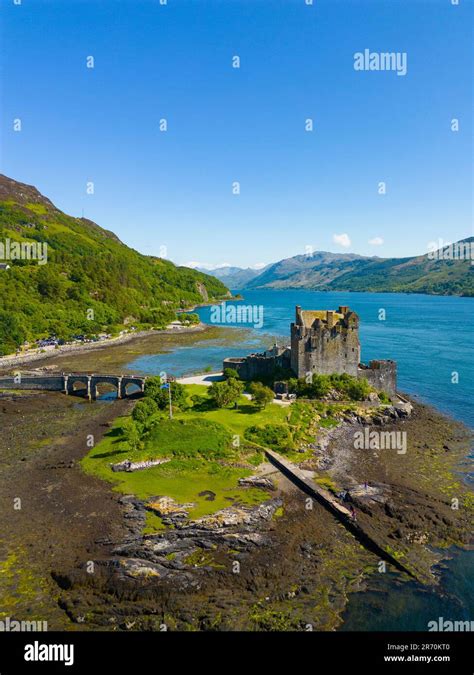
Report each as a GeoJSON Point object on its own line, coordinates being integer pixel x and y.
{"type": "Point", "coordinates": [113, 433]}
{"type": "Point", "coordinates": [203, 406]}
{"type": "Point", "coordinates": [248, 409]}
{"type": "Point", "coordinates": [110, 453]}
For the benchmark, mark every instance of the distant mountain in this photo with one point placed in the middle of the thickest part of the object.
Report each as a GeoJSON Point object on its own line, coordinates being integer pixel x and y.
{"type": "Point", "coordinates": [325, 271]}
{"type": "Point", "coordinates": [90, 282]}
{"type": "Point", "coordinates": [307, 271]}
{"type": "Point", "coordinates": [234, 277]}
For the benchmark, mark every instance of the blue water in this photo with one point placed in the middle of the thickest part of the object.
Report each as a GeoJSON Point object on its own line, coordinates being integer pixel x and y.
{"type": "Point", "coordinates": [432, 339]}
{"type": "Point", "coordinates": [196, 358]}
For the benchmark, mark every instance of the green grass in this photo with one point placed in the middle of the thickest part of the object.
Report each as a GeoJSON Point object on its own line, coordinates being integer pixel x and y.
{"type": "Point", "coordinates": [327, 483]}
{"type": "Point", "coordinates": [300, 417]}
{"type": "Point", "coordinates": [181, 478]}
{"type": "Point", "coordinates": [153, 523]}
{"type": "Point", "coordinates": [328, 422]}
{"type": "Point", "coordinates": [200, 445]}
{"type": "Point", "coordinates": [39, 209]}
{"type": "Point", "coordinates": [237, 420]}
{"type": "Point", "coordinates": [190, 437]}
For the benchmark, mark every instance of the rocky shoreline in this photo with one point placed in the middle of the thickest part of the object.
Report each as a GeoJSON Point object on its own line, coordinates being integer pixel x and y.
{"type": "Point", "coordinates": [242, 554]}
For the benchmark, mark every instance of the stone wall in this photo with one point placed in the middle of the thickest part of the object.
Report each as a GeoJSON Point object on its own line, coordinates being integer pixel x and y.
{"type": "Point", "coordinates": [382, 375]}
{"type": "Point", "coordinates": [258, 365]}
{"type": "Point", "coordinates": [51, 383]}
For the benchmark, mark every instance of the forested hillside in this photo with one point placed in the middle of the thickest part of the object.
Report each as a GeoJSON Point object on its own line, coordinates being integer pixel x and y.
{"type": "Point", "coordinates": [91, 282]}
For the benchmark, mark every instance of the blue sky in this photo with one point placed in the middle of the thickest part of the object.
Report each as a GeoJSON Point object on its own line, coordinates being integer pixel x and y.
{"type": "Point", "coordinates": [171, 192]}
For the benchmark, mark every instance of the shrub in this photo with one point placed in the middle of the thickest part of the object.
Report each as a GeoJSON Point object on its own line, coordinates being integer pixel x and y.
{"type": "Point", "coordinates": [320, 386]}
{"type": "Point", "coordinates": [231, 374]}
{"type": "Point", "coordinates": [358, 390]}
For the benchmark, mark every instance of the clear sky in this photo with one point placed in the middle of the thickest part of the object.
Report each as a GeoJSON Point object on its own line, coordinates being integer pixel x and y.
{"type": "Point", "coordinates": [298, 189]}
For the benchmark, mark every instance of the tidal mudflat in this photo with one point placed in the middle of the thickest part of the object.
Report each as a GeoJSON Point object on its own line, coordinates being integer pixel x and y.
{"type": "Point", "coordinates": [297, 568]}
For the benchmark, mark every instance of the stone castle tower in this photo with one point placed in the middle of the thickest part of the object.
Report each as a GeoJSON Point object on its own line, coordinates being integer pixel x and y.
{"type": "Point", "coordinates": [325, 342]}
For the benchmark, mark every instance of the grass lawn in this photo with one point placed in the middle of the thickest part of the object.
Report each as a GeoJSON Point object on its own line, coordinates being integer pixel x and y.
{"type": "Point", "coordinates": [237, 420]}
{"type": "Point", "coordinates": [199, 442]}
{"type": "Point", "coordinates": [183, 478]}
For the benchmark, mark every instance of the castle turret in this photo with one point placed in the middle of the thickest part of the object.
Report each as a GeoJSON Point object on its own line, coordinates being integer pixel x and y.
{"type": "Point", "coordinates": [330, 319]}
{"type": "Point", "coordinates": [298, 316]}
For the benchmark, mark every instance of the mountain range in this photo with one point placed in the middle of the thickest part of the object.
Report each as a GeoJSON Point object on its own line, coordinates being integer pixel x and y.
{"type": "Point", "coordinates": [323, 271]}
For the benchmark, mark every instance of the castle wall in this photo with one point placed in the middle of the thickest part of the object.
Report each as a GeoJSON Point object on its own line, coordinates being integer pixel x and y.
{"type": "Point", "coordinates": [382, 375]}
{"type": "Point", "coordinates": [257, 365]}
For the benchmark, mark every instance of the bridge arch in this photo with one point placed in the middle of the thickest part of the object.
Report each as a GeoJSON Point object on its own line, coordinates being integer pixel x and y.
{"type": "Point", "coordinates": [131, 389]}
{"type": "Point", "coordinates": [78, 385]}
{"type": "Point", "coordinates": [103, 387]}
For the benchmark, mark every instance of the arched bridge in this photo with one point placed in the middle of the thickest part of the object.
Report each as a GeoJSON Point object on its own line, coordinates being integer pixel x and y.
{"type": "Point", "coordinates": [75, 383]}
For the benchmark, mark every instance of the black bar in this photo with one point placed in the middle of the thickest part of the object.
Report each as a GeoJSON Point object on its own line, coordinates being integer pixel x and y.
{"type": "Point", "coordinates": [309, 652]}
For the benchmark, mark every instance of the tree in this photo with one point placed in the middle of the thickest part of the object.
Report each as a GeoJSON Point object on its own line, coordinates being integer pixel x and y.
{"type": "Point", "coordinates": [132, 436]}
{"type": "Point", "coordinates": [144, 409]}
{"type": "Point", "coordinates": [188, 319]}
{"type": "Point", "coordinates": [224, 393]}
{"type": "Point", "coordinates": [49, 284]}
{"type": "Point", "coordinates": [235, 389]}
{"type": "Point", "coordinates": [154, 390]}
{"type": "Point", "coordinates": [152, 387]}
{"type": "Point", "coordinates": [261, 395]}
{"type": "Point", "coordinates": [12, 331]}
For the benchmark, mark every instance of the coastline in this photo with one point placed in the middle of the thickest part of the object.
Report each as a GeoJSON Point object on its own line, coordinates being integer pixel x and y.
{"type": "Point", "coordinates": [41, 353]}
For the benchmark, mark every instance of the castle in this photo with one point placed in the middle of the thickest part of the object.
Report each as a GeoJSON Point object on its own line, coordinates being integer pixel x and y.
{"type": "Point", "coordinates": [322, 342]}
